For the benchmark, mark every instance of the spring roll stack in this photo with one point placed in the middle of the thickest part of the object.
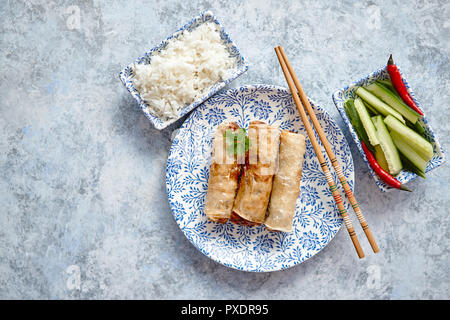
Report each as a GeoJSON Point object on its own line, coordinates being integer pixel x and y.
{"type": "Point", "coordinates": [253, 196]}
{"type": "Point", "coordinates": [266, 188]}
{"type": "Point", "coordinates": [286, 183]}
{"type": "Point", "coordinates": [223, 177]}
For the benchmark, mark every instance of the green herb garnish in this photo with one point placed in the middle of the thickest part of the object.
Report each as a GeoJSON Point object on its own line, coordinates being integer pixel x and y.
{"type": "Point", "coordinates": [237, 143]}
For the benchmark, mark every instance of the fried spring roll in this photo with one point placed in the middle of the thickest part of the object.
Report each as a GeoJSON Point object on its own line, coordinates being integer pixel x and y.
{"type": "Point", "coordinates": [250, 205]}
{"type": "Point", "coordinates": [223, 177]}
{"type": "Point", "coordinates": [286, 183]}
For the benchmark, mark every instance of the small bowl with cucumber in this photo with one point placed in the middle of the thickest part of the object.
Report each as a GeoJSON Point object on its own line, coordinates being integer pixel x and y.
{"type": "Point", "coordinates": [389, 128]}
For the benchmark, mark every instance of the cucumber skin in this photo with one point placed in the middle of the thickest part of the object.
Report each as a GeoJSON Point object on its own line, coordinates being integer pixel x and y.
{"type": "Point", "coordinates": [418, 128]}
{"type": "Point", "coordinates": [366, 121]}
{"type": "Point", "coordinates": [387, 145]}
{"type": "Point", "coordinates": [391, 100]}
{"type": "Point", "coordinates": [409, 166]}
{"type": "Point", "coordinates": [418, 143]}
{"type": "Point", "coordinates": [381, 107]}
{"type": "Point", "coordinates": [409, 152]}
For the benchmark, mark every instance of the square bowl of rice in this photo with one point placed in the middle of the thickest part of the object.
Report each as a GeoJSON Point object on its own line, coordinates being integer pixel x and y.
{"type": "Point", "coordinates": [184, 70]}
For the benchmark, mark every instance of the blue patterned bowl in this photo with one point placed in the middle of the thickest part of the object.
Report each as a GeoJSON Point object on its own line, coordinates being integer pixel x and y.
{"type": "Point", "coordinates": [339, 98]}
{"type": "Point", "coordinates": [126, 74]}
{"type": "Point", "coordinates": [317, 218]}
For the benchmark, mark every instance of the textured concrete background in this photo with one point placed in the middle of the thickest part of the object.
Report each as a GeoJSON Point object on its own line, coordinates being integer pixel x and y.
{"type": "Point", "coordinates": [84, 212]}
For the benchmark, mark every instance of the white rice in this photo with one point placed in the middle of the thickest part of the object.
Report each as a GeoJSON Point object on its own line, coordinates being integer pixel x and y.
{"type": "Point", "coordinates": [183, 71]}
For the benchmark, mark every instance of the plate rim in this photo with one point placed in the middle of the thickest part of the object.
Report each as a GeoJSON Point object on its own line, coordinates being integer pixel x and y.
{"type": "Point", "coordinates": [297, 262]}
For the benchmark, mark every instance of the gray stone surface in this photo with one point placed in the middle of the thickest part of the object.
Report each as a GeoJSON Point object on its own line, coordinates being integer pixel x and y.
{"type": "Point", "coordinates": [84, 212]}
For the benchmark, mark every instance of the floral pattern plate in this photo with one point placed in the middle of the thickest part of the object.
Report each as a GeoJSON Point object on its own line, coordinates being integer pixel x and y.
{"type": "Point", "coordinates": [339, 98]}
{"type": "Point", "coordinates": [253, 248]}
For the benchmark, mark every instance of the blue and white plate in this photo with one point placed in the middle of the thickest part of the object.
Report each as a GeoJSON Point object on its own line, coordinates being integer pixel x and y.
{"type": "Point", "coordinates": [126, 75]}
{"type": "Point", "coordinates": [253, 248]}
{"type": "Point", "coordinates": [339, 98]}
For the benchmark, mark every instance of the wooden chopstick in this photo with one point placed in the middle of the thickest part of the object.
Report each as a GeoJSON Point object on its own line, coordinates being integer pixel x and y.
{"type": "Point", "coordinates": [331, 155]}
{"type": "Point", "coordinates": [318, 151]}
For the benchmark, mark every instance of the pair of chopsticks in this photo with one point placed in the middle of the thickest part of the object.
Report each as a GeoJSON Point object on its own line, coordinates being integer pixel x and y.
{"type": "Point", "coordinates": [298, 95]}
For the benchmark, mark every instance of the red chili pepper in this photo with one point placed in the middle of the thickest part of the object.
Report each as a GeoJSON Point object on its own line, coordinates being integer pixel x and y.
{"type": "Point", "coordinates": [396, 79]}
{"type": "Point", "coordinates": [385, 176]}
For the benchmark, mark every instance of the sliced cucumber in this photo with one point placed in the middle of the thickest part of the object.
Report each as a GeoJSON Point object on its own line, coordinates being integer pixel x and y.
{"type": "Point", "coordinates": [392, 100]}
{"type": "Point", "coordinates": [408, 165]}
{"type": "Point", "coordinates": [379, 105]}
{"type": "Point", "coordinates": [366, 121]}
{"type": "Point", "coordinates": [381, 159]}
{"type": "Point", "coordinates": [371, 109]}
{"type": "Point", "coordinates": [408, 152]}
{"type": "Point", "coordinates": [388, 84]}
{"type": "Point", "coordinates": [388, 146]}
{"type": "Point", "coordinates": [385, 82]}
{"type": "Point", "coordinates": [418, 143]}
{"type": "Point", "coordinates": [356, 123]}
{"type": "Point", "coordinates": [419, 128]}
